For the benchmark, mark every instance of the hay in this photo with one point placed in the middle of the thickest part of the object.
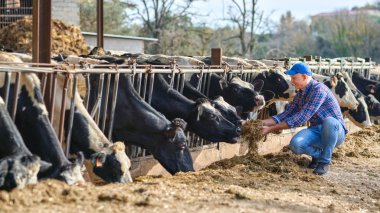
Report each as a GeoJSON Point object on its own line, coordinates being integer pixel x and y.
{"type": "Point", "coordinates": [252, 133]}
{"type": "Point", "coordinates": [65, 39]}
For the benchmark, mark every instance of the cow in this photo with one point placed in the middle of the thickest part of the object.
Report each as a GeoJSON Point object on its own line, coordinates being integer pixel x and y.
{"type": "Point", "coordinates": [18, 166]}
{"type": "Point", "coordinates": [276, 87]}
{"type": "Point", "coordinates": [109, 160]}
{"type": "Point", "coordinates": [136, 122]}
{"type": "Point", "coordinates": [235, 91]}
{"type": "Point", "coordinates": [36, 130]}
{"type": "Point", "coordinates": [360, 116]}
{"type": "Point", "coordinates": [201, 116]}
{"type": "Point", "coordinates": [340, 89]}
{"type": "Point", "coordinates": [366, 86]}
{"type": "Point", "coordinates": [227, 111]}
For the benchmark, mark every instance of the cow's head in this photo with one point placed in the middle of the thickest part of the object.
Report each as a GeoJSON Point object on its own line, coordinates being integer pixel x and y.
{"type": "Point", "coordinates": [174, 155]}
{"type": "Point", "coordinates": [374, 89]}
{"type": "Point", "coordinates": [227, 110]}
{"type": "Point", "coordinates": [112, 165]}
{"type": "Point", "coordinates": [243, 94]}
{"type": "Point", "coordinates": [71, 173]}
{"type": "Point", "coordinates": [359, 116]}
{"type": "Point", "coordinates": [342, 91]}
{"type": "Point", "coordinates": [373, 106]}
{"type": "Point", "coordinates": [17, 172]}
{"type": "Point", "coordinates": [209, 123]}
{"type": "Point", "coordinates": [277, 86]}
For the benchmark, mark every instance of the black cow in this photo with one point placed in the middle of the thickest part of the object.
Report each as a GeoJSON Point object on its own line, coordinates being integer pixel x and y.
{"type": "Point", "coordinates": [109, 160]}
{"type": "Point", "coordinates": [227, 111]}
{"type": "Point", "coordinates": [366, 86]}
{"type": "Point", "coordinates": [136, 122]}
{"type": "Point", "coordinates": [373, 107]}
{"type": "Point", "coordinates": [201, 116]}
{"type": "Point", "coordinates": [236, 92]}
{"type": "Point", "coordinates": [276, 86]}
{"type": "Point", "coordinates": [18, 166]}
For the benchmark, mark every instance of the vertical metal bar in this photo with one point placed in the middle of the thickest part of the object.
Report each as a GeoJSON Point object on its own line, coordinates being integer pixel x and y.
{"type": "Point", "coordinates": [88, 90]}
{"type": "Point", "coordinates": [144, 85]}
{"type": "Point", "coordinates": [104, 117]}
{"type": "Point", "coordinates": [41, 31]}
{"type": "Point", "coordinates": [71, 116]}
{"type": "Point", "coordinates": [208, 84]}
{"type": "Point", "coordinates": [182, 82]}
{"type": "Point", "coordinates": [100, 97]}
{"type": "Point", "coordinates": [177, 82]}
{"type": "Point", "coordinates": [63, 108]}
{"type": "Point", "coordinates": [99, 23]}
{"type": "Point", "coordinates": [204, 81]}
{"type": "Point", "coordinates": [43, 78]}
{"type": "Point", "coordinates": [15, 96]}
{"type": "Point", "coordinates": [7, 85]}
{"type": "Point", "coordinates": [52, 98]}
{"type": "Point", "coordinates": [113, 106]}
{"type": "Point", "coordinates": [138, 83]}
{"type": "Point", "coordinates": [151, 88]}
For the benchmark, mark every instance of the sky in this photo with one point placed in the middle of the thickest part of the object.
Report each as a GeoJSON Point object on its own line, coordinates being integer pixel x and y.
{"type": "Point", "coordinates": [300, 9]}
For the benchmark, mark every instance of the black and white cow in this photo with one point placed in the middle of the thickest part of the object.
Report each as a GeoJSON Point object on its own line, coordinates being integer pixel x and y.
{"type": "Point", "coordinates": [136, 122]}
{"type": "Point", "coordinates": [235, 91]}
{"type": "Point", "coordinates": [34, 126]}
{"type": "Point", "coordinates": [366, 86]}
{"type": "Point", "coordinates": [277, 86]}
{"type": "Point", "coordinates": [109, 160]}
{"type": "Point", "coordinates": [227, 110]}
{"type": "Point", "coordinates": [340, 89]}
{"type": "Point", "coordinates": [359, 116]}
{"type": "Point", "coordinates": [18, 166]}
{"type": "Point", "coordinates": [201, 116]}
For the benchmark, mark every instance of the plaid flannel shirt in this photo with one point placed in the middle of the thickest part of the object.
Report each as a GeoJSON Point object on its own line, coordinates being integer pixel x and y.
{"type": "Point", "coordinates": [314, 104]}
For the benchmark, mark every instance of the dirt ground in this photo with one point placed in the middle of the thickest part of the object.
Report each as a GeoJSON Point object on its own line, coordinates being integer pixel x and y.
{"type": "Point", "coordinates": [251, 183]}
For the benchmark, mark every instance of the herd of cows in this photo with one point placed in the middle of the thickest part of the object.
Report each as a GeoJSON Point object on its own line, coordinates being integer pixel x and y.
{"type": "Point", "coordinates": [30, 149]}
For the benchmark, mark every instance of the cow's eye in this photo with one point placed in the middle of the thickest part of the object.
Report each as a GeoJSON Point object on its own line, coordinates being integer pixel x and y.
{"type": "Point", "coordinates": [236, 89]}
{"type": "Point", "coordinates": [212, 116]}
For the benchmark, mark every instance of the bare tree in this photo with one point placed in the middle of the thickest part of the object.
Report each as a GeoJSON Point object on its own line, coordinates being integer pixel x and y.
{"type": "Point", "coordinates": [157, 15]}
{"type": "Point", "coordinates": [247, 18]}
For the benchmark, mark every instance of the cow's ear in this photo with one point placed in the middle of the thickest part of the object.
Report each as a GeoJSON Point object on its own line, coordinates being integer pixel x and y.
{"type": "Point", "coordinates": [258, 85]}
{"type": "Point", "coordinates": [223, 83]}
{"type": "Point", "coordinates": [370, 88]}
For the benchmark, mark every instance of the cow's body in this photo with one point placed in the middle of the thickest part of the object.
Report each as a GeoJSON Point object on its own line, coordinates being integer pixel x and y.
{"type": "Point", "coordinates": [202, 118]}
{"type": "Point", "coordinates": [366, 86]}
{"type": "Point", "coordinates": [109, 160]}
{"type": "Point", "coordinates": [235, 92]}
{"type": "Point", "coordinates": [136, 122]}
{"type": "Point", "coordinates": [18, 166]}
{"type": "Point", "coordinates": [35, 128]}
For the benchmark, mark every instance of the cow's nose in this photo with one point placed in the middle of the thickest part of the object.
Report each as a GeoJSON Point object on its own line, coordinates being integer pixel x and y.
{"type": "Point", "coordinates": [260, 99]}
{"type": "Point", "coordinates": [240, 122]}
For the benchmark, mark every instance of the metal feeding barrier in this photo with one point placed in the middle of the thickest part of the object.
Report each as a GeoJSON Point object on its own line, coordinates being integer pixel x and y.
{"type": "Point", "coordinates": [143, 79]}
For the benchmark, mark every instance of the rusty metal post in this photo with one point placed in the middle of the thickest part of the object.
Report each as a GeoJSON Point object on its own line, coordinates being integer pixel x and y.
{"type": "Point", "coordinates": [63, 108]}
{"type": "Point", "coordinates": [41, 43]}
{"type": "Point", "coordinates": [41, 48]}
{"type": "Point", "coordinates": [216, 56]}
{"type": "Point", "coordinates": [99, 24]}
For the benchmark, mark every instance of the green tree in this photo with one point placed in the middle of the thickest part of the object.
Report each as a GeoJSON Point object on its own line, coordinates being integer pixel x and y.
{"type": "Point", "coordinates": [115, 16]}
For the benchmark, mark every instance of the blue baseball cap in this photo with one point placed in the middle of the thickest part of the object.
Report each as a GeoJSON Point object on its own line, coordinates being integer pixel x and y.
{"type": "Point", "coordinates": [299, 67]}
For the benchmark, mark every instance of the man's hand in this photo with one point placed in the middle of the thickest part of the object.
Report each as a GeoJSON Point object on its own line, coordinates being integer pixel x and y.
{"type": "Point", "coordinates": [269, 122]}
{"type": "Point", "coordinates": [265, 130]}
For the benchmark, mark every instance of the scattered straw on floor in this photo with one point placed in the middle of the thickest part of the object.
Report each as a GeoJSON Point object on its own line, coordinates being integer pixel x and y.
{"type": "Point", "coordinates": [251, 132]}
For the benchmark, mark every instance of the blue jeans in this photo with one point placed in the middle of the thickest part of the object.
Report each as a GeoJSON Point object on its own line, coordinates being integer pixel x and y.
{"type": "Point", "coordinates": [319, 141]}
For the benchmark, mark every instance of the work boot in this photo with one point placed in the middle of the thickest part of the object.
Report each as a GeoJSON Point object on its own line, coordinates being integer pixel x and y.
{"type": "Point", "coordinates": [313, 164]}
{"type": "Point", "coordinates": [321, 169]}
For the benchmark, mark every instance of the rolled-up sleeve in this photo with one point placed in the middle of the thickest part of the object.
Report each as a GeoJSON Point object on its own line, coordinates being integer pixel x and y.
{"type": "Point", "coordinates": [289, 111]}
